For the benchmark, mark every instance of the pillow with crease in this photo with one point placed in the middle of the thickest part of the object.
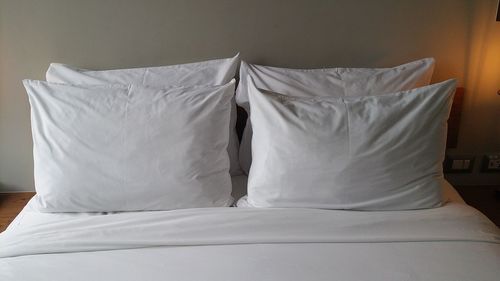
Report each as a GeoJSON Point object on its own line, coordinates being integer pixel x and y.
{"type": "Point", "coordinates": [212, 72]}
{"type": "Point", "coordinates": [103, 148]}
{"type": "Point", "coordinates": [380, 152]}
{"type": "Point", "coordinates": [333, 82]}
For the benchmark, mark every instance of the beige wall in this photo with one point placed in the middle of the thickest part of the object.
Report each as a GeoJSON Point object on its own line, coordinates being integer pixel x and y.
{"type": "Point", "coordinates": [110, 34]}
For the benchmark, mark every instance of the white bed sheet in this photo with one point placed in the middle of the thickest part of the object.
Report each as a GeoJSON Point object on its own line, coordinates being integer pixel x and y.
{"type": "Point", "coordinates": [449, 261]}
{"type": "Point", "coordinates": [453, 242]}
{"type": "Point", "coordinates": [30, 216]}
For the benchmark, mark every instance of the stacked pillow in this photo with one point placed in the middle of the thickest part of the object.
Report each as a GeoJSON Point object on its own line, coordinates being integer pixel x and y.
{"type": "Point", "coordinates": [344, 138]}
{"type": "Point", "coordinates": [212, 72]}
{"type": "Point", "coordinates": [333, 82]}
{"type": "Point", "coordinates": [163, 138]}
{"type": "Point", "coordinates": [134, 139]}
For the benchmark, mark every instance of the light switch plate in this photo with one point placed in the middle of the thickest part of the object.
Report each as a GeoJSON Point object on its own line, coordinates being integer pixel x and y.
{"type": "Point", "coordinates": [491, 163]}
{"type": "Point", "coordinates": [458, 164]}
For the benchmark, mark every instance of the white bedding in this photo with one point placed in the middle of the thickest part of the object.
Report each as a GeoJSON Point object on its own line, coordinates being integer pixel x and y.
{"type": "Point", "coordinates": [453, 242]}
{"type": "Point", "coordinates": [448, 261]}
{"type": "Point", "coordinates": [31, 216]}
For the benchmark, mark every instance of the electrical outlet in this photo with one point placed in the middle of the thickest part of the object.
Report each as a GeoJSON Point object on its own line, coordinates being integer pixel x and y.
{"type": "Point", "coordinates": [491, 163]}
{"type": "Point", "coordinates": [458, 164]}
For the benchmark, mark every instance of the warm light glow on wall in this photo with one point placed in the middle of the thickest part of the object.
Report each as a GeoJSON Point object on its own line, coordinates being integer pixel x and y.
{"type": "Point", "coordinates": [485, 53]}
{"type": "Point", "coordinates": [482, 80]}
{"type": "Point", "coordinates": [490, 73]}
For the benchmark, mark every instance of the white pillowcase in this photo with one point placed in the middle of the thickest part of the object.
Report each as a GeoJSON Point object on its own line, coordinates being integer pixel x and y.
{"type": "Point", "coordinates": [212, 72]}
{"type": "Point", "coordinates": [335, 82]}
{"type": "Point", "coordinates": [381, 152]}
{"type": "Point", "coordinates": [127, 148]}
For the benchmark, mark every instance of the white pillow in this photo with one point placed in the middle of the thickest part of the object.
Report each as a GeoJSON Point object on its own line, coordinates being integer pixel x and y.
{"type": "Point", "coordinates": [126, 148]}
{"type": "Point", "coordinates": [335, 82]}
{"type": "Point", "coordinates": [381, 152]}
{"type": "Point", "coordinates": [212, 72]}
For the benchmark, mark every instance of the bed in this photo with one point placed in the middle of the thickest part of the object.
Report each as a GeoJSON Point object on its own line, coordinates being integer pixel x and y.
{"type": "Point", "coordinates": [453, 242]}
{"type": "Point", "coordinates": [134, 182]}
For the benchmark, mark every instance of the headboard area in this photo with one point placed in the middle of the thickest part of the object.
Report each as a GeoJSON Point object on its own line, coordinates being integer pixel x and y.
{"type": "Point", "coordinates": [454, 120]}
{"type": "Point", "coordinates": [294, 34]}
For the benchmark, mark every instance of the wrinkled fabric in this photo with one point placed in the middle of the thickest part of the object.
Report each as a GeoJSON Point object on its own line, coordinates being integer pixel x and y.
{"type": "Point", "coordinates": [125, 148]}
{"type": "Point", "coordinates": [331, 82]}
{"type": "Point", "coordinates": [212, 72]}
{"type": "Point", "coordinates": [363, 153]}
{"type": "Point", "coordinates": [226, 226]}
{"type": "Point", "coordinates": [454, 242]}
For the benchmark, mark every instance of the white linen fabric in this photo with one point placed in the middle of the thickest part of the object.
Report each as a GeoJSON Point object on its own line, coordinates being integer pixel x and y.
{"type": "Point", "coordinates": [124, 148]}
{"type": "Point", "coordinates": [365, 153]}
{"type": "Point", "coordinates": [30, 215]}
{"type": "Point", "coordinates": [450, 195]}
{"type": "Point", "coordinates": [225, 226]}
{"type": "Point", "coordinates": [332, 82]}
{"type": "Point", "coordinates": [410, 261]}
{"type": "Point", "coordinates": [257, 244]}
{"type": "Point", "coordinates": [212, 72]}
{"type": "Point", "coordinates": [434, 244]}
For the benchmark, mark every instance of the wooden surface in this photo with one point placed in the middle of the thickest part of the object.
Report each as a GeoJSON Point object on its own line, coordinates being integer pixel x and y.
{"type": "Point", "coordinates": [484, 198]}
{"type": "Point", "coordinates": [10, 205]}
